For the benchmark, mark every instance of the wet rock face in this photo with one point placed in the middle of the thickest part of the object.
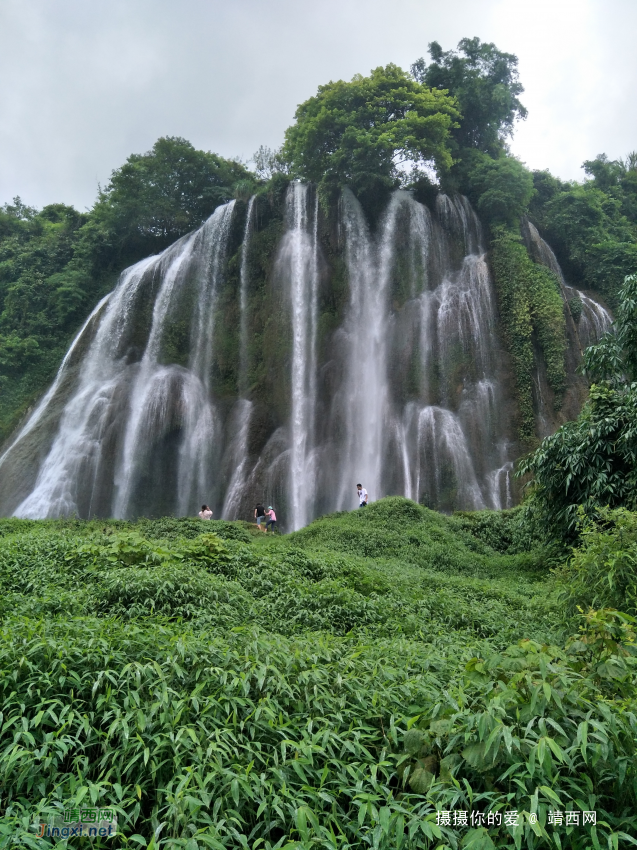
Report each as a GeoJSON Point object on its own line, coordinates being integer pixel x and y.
{"type": "Point", "coordinates": [280, 355]}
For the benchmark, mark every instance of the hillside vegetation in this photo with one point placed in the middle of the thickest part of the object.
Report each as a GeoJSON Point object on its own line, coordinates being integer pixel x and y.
{"type": "Point", "coordinates": [333, 688]}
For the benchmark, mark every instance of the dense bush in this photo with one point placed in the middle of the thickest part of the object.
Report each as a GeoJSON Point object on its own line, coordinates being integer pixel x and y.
{"type": "Point", "coordinates": [510, 532]}
{"type": "Point", "coordinates": [537, 729]}
{"type": "Point", "coordinates": [602, 572]}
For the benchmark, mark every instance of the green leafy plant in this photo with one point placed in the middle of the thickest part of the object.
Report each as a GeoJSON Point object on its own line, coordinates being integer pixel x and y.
{"type": "Point", "coordinates": [602, 571]}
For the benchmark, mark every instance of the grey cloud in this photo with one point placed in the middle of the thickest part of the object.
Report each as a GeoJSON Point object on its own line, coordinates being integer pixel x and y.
{"type": "Point", "coordinates": [83, 85]}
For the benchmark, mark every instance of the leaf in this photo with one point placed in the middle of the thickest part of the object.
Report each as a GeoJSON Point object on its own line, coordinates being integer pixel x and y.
{"type": "Point", "coordinates": [478, 839]}
{"type": "Point", "coordinates": [420, 780]}
{"type": "Point", "coordinates": [413, 741]}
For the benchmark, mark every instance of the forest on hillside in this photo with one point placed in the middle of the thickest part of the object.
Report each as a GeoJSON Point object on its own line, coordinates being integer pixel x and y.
{"type": "Point", "coordinates": [390, 677]}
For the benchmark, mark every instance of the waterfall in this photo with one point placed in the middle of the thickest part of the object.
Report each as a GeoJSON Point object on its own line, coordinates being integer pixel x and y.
{"type": "Point", "coordinates": [238, 459]}
{"type": "Point", "coordinates": [451, 440]}
{"type": "Point", "coordinates": [96, 466]}
{"type": "Point", "coordinates": [76, 455]}
{"type": "Point", "coordinates": [595, 319]}
{"type": "Point", "coordinates": [297, 263]}
{"type": "Point", "coordinates": [365, 389]}
{"type": "Point", "coordinates": [44, 403]}
{"type": "Point", "coordinates": [148, 417]}
{"type": "Point", "coordinates": [378, 359]}
{"type": "Point", "coordinates": [243, 302]}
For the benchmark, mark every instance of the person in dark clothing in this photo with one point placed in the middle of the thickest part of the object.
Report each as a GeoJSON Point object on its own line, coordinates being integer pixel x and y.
{"type": "Point", "coordinates": [259, 513]}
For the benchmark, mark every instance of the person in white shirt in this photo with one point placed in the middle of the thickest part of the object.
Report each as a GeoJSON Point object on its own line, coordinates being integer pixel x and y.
{"type": "Point", "coordinates": [362, 496]}
{"type": "Point", "coordinates": [205, 512]}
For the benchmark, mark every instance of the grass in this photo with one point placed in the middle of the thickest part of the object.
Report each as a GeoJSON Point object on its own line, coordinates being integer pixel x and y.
{"type": "Point", "coordinates": [223, 688]}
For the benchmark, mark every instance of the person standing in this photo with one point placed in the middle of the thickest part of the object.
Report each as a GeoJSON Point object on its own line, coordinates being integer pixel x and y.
{"type": "Point", "coordinates": [205, 512]}
{"type": "Point", "coordinates": [271, 521]}
{"type": "Point", "coordinates": [259, 513]}
{"type": "Point", "coordinates": [362, 496]}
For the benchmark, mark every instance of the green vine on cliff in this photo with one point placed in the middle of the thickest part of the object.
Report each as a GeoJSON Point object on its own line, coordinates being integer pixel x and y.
{"type": "Point", "coordinates": [531, 309]}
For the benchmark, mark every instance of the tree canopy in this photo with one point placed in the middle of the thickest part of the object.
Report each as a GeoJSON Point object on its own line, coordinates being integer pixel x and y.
{"type": "Point", "coordinates": [485, 82]}
{"type": "Point", "coordinates": [501, 189]}
{"type": "Point", "coordinates": [158, 196]}
{"type": "Point", "coordinates": [366, 132]}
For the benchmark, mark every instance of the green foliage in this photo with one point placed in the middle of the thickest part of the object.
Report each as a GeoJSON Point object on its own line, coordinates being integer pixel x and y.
{"type": "Point", "coordinates": [575, 306]}
{"type": "Point", "coordinates": [589, 462]}
{"type": "Point", "coordinates": [357, 134]}
{"type": "Point", "coordinates": [502, 189]}
{"type": "Point", "coordinates": [533, 729]}
{"type": "Point", "coordinates": [156, 197]}
{"type": "Point", "coordinates": [602, 572]}
{"type": "Point", "coordinates": [531, 311]}
{"type": "Point", "coordinates": [289, 690]}
{"type": "Point", "coordinates": [592, 227]}
{"type": "Point", "coordinates": [617, 178]}
{"type": "Point", "coordinates": [485, 82]}
{"type": "Point", "coordinates": [593, 461]}
{"type": "Point", "coordinates": [173, 528]}
{"type": "Point", "coordinates": [509, 532]}
{"type": "Point", "coordinates": [251, 689]}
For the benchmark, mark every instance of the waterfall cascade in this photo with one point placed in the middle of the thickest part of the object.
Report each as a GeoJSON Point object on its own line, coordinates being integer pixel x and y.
{"type": "Point", "coordinates": [390, 372]}
{"type": "Point", "coordinates": [595, 319]}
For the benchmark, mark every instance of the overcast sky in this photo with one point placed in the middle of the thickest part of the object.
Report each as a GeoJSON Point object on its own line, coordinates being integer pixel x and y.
{"type": "Point", "coordinates": [85, 83]}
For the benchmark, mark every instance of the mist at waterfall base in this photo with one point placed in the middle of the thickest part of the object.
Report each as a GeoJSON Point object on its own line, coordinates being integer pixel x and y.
{"type": "Point", "coordinates": [408, 395]}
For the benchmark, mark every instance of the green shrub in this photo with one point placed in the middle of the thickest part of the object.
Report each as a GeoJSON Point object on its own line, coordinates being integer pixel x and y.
{"type": "Point", "coordinates": [510, 532]}
{"type": "Point", "coordinates": [251, 689]}
{"type": "Point", "coordinates": [534, 729]}
{"type": "Point", "coordinates": [602, 571]}
{"type": "Point", "coordinates": [170, 590]}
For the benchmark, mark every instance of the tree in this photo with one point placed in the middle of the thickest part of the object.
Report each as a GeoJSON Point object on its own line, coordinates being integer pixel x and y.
{"type": "Point", "coordinates": [501, 188]}
{"type": "Point", "coordinates": [485, 82]}
{"type": "Point", "coordinates": [364, 133]}
{"type": "Point", "coordinates": [594, 241]}
{"type": "Point", "coordinates": [593, 461]}
{"type": "Point", "coordinates": [268, 162]}
{"type": "Point", "coordinates": [156, 197]}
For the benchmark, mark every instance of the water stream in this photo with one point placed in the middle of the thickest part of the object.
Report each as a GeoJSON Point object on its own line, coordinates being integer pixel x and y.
{"type": "Point", "coordinates": [405, 392]}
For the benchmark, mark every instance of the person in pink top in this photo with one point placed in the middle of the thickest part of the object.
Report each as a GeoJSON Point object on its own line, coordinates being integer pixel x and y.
{"type": "Point", "coordinates": [271, 521]}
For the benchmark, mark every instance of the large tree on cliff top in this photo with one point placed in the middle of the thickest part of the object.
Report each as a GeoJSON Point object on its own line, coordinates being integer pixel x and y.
{"type": "Point", "coordinates": [485, 82]}
{"type": "Point", "coordinates": [156, 197]}
{"type": "Point", "coordinates": [363, 133]}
